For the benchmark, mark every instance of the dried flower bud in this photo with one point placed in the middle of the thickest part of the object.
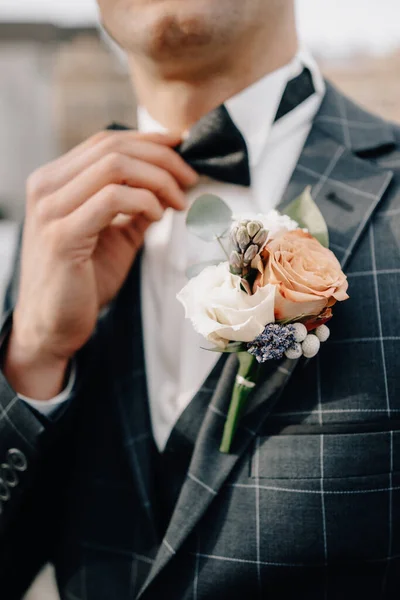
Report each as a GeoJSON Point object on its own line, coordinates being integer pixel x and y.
{"type": "Point", "coordinates": [235, 263]}
{"type": "Point", "coordinates": [242, 238]}
{"type": "Point", "coordinates": [253, 228]}
{"type": "Point", "coordinates": [233, 238]}
{"type": "Point", "coordinates": [244, 223]}
{"type": "Point", "coordinates": [250, 253]}
{"type": "Point", "coordinates": [261, 237]}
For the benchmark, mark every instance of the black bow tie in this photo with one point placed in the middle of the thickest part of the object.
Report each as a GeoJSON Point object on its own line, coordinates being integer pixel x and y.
{"type": "Point", "coordinates": [216, 148]}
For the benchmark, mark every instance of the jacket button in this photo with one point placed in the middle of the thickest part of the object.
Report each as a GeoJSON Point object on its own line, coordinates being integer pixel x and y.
{"type": "Point", "coordinates": [17, 459]}
{"type": "Point", "coordinates": [9, 475]}
{"type": "Point", "coordinates": [4, 491]}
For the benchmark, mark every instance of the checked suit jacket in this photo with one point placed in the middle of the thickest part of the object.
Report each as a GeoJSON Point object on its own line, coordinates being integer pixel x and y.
{"type": "Point", "coordinates": [306, 505]}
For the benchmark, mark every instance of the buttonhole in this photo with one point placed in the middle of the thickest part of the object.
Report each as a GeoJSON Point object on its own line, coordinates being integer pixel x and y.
{"type": "Point", "coordinates": [333, 197]}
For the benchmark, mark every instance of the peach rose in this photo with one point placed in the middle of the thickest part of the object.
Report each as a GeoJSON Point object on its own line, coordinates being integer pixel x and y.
{"type": "Point", "coordinates": [307, 275]}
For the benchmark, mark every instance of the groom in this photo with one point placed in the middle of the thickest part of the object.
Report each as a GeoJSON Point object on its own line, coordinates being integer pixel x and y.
{"type": "Point", "coordinates": [111, 413]}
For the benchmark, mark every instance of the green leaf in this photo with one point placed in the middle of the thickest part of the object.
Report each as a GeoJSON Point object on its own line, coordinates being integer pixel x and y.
{"type": "Point", "coordinates": [307, 214]}
{"type": "Point", "coordinates": [209, 217]}
{"type": "Point", "coordinates": [195, 270]}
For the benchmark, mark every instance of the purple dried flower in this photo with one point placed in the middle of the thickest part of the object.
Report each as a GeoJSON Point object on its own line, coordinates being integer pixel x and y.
{"type": "Point", "coordinates": [272, 342]}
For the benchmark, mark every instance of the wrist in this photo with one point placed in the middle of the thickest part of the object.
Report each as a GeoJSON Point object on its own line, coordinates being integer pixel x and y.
{"type": "Point", "coordinates": [33, 370]}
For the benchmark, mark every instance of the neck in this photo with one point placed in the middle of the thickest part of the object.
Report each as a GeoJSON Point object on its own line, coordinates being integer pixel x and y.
{"type": "Point", "coordinates": [178, 97]}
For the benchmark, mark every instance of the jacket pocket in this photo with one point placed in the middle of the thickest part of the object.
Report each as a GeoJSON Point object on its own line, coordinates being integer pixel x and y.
{"type": "Point", "coordinates": [326, 455]}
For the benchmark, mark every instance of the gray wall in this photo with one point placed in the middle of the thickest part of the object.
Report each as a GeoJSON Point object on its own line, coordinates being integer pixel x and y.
{"type": "Point", "coordinates": [26, 121]}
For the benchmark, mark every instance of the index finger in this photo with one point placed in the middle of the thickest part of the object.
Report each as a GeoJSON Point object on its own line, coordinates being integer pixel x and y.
{"type": "Point", "coordinates": [164, 139]}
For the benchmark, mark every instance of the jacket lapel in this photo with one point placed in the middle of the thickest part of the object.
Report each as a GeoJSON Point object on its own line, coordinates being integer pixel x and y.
{"type": "Point", "coordinates": [347, 190]}
{"type": "Point", "coordinates": [209, 468]}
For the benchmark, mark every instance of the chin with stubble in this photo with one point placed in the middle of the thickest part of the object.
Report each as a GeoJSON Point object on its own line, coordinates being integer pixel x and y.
{"type": "Point", "coordinates": [173, 34]}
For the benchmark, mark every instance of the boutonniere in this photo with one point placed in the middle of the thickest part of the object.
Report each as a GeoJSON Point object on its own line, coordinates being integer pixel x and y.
{"type": "Point", "coordinates": [273, 295]}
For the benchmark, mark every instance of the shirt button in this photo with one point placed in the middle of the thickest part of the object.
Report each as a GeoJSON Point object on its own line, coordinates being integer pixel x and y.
{"type": "Point", "coordinates": [17, 459]}
{"type": "Point", "coordinates": [4, 491]}
{"type": "Point", "coordinates": [9, 475]}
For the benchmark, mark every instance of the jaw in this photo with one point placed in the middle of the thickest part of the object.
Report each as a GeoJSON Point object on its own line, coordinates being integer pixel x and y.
{"type": "Point", "coordinates": [172, 30]}
{"type": "Point", "coordinates": [177, 36]}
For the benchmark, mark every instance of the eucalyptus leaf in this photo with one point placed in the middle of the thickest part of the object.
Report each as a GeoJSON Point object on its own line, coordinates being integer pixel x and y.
{"type": "Point", "coordinates": [306, 213]}
{"type": "Point", "coordinates": [209, 217]}
{"type": "Point", "coordinates": [196, 269]}
{"type": "Point", "coordinates": [234, 347]}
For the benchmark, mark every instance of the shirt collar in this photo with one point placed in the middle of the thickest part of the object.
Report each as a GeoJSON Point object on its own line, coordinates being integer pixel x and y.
{"type": "Point", "coordinates": [253, 109]}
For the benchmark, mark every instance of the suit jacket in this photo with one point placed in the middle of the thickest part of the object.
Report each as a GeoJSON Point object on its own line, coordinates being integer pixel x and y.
{"type": "Point", "coordinates": [306, 505]}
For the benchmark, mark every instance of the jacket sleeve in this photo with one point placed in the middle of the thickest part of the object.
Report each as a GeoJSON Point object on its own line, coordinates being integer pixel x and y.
{"type": "Point", "coordinates": [33, 465]}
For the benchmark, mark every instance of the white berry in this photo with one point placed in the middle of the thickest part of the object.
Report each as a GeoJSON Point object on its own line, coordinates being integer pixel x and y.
{"type": "Point", "coordinates": [310, 346]}
{"type": "Point", "coordinates": [322, 332]}
{"type": "Point", "coordinates": [300, 332]}
{"type": "Point", "coordinates": [294, 351]}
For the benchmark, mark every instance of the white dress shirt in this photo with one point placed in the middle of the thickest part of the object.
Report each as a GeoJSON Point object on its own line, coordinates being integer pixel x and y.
{"type": "Point", "coordinates": [175, 358]}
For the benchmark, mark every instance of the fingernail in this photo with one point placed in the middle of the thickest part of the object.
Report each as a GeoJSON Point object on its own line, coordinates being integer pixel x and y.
{"type": "Point", "coordinates": [193, 178]}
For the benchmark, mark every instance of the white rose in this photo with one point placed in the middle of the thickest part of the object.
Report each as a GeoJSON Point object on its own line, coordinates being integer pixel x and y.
{"type": "Point", "coordinates": [221, 311]}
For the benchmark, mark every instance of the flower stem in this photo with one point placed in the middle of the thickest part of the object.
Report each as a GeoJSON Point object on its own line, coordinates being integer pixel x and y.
{"type": "Point", "coordinates": [222, 246]}
{"type": "Point", "coordinates": [238, 400]}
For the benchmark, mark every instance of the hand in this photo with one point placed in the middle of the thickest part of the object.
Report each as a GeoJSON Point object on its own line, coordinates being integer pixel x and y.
{"type": "Point", "coordinates": [86, 216]}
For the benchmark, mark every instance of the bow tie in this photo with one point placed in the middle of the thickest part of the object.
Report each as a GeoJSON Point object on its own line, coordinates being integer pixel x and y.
{"type": "Point", "coordinates": [216, 148]}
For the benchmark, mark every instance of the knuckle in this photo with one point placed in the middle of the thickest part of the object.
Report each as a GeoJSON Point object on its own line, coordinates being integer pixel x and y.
{"type": "Point", "coordinates": [101, 136]}
{"type": "Point", "coordinates": [147, 197]}
{"type": "Point", "coordinates": [151, 201]}
{"type": "Point", "coordinates": [111, 194]}
{"type": "Point", "coordinates": [43, 210]}
{"type": "Point", "coordinates": [111, 143]}
{"type": "Point", "coordinates": [115, 165]}
{"type": "Point", "coordinates": [37, 184]}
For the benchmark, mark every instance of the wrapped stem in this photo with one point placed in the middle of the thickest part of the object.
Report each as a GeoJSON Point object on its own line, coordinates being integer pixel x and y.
{"type": "Point", "coordinates": [244, 384]}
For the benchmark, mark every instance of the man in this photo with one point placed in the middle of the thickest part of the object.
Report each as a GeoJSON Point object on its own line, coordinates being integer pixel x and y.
{"type": "Point", "coordinates": [112, 414]}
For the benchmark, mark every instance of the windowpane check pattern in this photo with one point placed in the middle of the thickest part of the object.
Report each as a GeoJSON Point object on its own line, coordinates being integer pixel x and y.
{"type": "Point", "coordinates": [307, 504]}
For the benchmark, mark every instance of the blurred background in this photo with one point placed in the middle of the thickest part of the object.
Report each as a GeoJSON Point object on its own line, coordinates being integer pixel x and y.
{"type": "Point", "coordinates": [60, 83]}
